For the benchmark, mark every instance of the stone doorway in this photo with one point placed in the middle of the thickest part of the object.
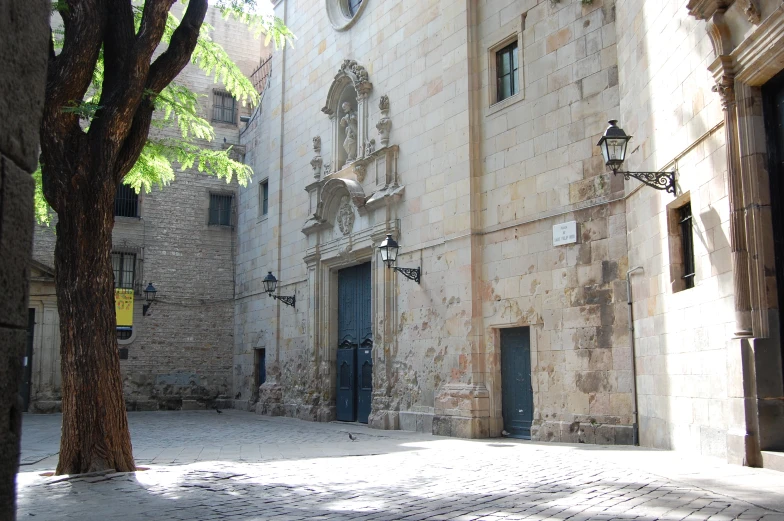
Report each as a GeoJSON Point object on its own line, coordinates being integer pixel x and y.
{"type": "Point", "coordinates": [355, 344]}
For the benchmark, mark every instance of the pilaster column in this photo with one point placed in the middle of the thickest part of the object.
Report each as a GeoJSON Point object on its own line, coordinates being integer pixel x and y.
{"type": "Point", "coordinates": [725, 87]}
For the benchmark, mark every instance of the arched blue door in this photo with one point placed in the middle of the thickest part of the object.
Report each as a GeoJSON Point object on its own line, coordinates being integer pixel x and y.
{"type": "Point", "coordinates": [355, 344]}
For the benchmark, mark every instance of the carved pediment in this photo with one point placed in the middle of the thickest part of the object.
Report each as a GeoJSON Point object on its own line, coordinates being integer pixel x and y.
{"type": "Point", "coordinates": [349, 73]}
{"type": "Point", "coordinates": [339, 197]}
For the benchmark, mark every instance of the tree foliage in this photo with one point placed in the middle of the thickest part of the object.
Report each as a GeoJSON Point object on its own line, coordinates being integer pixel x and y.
{"type": "Point", "coordinates": [178, 112]}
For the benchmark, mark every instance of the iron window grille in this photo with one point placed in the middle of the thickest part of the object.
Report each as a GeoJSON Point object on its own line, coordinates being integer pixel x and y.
{"type": "Point", "coordinates": [224, 107]}
{"type": "Point", "coordinates": [687, 244]}
{"type": "Point", "coordinates": [220, 210]}
{"type": "Point", "coordinates": [506, 72]}
{"type": "Point", "coordinates": [264, 197]}
{"type": "Point", "coordinates": [126, 202]}
{"type": "Point", "coordinates": [124, 267]}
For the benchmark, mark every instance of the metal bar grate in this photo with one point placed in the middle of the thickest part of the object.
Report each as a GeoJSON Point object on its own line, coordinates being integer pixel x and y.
{"type": "Point", "coordinates": [126, 202]}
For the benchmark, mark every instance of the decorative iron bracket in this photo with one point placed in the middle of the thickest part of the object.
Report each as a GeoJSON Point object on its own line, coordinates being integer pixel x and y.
{"type": "Point", "coordinates": [409, 273]}
{"type": "Point", "coordinates": [658, 180]}
{"type": "Point", "coordinates": [145, 309]}
{"type": "Point", "coordinates": [289, 301]}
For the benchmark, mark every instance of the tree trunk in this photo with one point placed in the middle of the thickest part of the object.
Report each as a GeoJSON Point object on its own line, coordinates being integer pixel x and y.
{"type": "Point", "coordinates": [95, 432]}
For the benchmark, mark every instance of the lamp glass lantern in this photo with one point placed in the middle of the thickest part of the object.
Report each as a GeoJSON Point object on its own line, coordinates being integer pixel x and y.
{"type": "Point", "coordinates": [388, 249]}
{"type": "Point", "coordinates": [270, 283]}
{"type": "Point", "coordinates": [613, 145]}
{"type": "Point", "coordinates": [149, 292]}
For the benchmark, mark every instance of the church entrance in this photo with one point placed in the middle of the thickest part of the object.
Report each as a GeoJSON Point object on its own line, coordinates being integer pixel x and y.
{"type": "Point", "coordinates": [355, 344]}
{"type": "Point", "coordinates": [773, 109]}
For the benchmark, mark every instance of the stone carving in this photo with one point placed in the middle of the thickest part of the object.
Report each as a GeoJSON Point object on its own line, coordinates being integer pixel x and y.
{"type": "Point", "coordinates": [370, 147]}
{"type": "Point", "coordinates": [359, 76]}
{"type": "Point", "coordinates": [384, 124]}
{"type": "Point", "coordinates": [349, 121]}
{"type": "Point", "coordinates": [316, 162]}
{"type": "Point", "coordinates": [725, 87]}
{"type": "Point", "coordinates": [327, 168]}
{"type": "Point", "coordinates": [752, 12]}
{"type": "Point", "coordinates": [345, 216]}
{"type": "Point", "coordinates": [359, 171]}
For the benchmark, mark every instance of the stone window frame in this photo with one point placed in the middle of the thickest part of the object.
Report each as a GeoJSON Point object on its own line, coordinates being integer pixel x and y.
{"type": "Point", "coordinates": [675, 242]}
{"type": "Point", "coordinates": [262, 214]}
{"type": "Point", "coordinates": [492, 74]}
{"type": "Point", "coordinates": [339, 15]}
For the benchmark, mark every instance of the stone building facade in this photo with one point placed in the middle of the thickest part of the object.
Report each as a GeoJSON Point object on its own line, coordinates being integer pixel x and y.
{"type": "Point", "coordinates": [403, 119]}
{"type": "Point", "coordinates": [180, 354]}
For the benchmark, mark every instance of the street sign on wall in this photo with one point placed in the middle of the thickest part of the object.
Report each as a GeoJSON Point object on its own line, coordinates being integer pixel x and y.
{"type": "Point", "coordinates": [565, 233]}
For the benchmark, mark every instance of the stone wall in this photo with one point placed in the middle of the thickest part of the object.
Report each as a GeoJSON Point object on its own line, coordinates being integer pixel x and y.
{"type": "Point", "coordinates": [180, 354]}
{"type": "Point", "coordinates": [480, 189]}
{"type": "Point", "coordinates": [23, 55]}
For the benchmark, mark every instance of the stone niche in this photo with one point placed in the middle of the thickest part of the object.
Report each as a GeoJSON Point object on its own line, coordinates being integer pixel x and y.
{"type": "Point", "coordinates": [352, 207]}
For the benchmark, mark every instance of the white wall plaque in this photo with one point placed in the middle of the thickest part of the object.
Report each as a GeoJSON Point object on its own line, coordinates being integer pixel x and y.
{"type": "Point", "coordinates": [565, 233]}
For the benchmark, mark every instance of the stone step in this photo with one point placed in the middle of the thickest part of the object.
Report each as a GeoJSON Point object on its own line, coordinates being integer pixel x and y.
{"type": "Point", "coordinates": [773, 460]}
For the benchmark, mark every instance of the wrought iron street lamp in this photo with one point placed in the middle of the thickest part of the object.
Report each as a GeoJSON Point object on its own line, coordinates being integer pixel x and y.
{"type": "Point", "coordinates": [388, 249]}
{"type": "Point", "coordinates": [613, 145]}
{"type": "Point", "coordinates": [271, 284]}
{"type": "Point", "coordinates": [149, 296]}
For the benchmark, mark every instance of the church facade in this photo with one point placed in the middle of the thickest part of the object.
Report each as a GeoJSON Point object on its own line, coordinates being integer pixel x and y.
{"type": "Point", "coordinates": [467, 132]}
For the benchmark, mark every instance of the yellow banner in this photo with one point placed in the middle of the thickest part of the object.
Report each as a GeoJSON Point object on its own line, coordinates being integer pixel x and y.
{"type": "Point", "coordinates": [123, 306]}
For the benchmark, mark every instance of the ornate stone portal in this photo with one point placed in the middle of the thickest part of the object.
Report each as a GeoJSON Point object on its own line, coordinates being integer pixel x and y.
{"type": "Point", "coordinates": [352, 207]}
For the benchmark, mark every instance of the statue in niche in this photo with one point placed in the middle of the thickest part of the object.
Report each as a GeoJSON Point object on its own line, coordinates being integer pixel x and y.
{"type": "Point", "coordinates": [349, 121]}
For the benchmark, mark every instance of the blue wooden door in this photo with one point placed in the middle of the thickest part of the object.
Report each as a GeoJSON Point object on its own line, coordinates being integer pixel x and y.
{"type": "Point", "coordinates": [355, 344]}
{"type": "Point", "coordinates": [517, 397]}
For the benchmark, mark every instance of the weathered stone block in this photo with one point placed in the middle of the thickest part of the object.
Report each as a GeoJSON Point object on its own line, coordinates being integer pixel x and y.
{"type": "Point", "coordinates": [16, 240]}
{"type": "Point", "coordinates": [24, 57]}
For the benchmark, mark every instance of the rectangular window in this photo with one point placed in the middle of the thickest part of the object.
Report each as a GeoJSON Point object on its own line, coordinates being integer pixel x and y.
{"type": "Point", "coordinates": [220, 210]}
{"type": "Point", "coordinates": [506, 72]}
{"type": "Point", "coordinates": [224, 107]}
{"type": "Point", "coordinates": [124, 267]}
{"type": "Point", "coordinates": [687, 244]}
{"type": "Point", "coordinates": [263, 198]}
{"type": "Point", "coordinates": [126, 202]}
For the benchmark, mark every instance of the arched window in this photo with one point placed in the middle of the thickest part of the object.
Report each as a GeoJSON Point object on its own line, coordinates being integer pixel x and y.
{"type": "Point", "coordinates": [353, 6]}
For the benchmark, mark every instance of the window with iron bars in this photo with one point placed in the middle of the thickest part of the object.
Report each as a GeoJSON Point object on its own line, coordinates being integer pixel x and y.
{"type": "Point", "coordinates": [126, 202]}
{"type": "Point", "coordinates": [687, 244]}
{"type": "Point", "coordinates": [124, 268]}
{"type": "Point", "coordinates": [220, 210]}
{"type": "Point", "coordinates": [224, 107]}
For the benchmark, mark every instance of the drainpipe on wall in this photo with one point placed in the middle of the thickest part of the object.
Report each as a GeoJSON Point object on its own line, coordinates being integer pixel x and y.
{"type": "Point", "coordinates": [635, 428]}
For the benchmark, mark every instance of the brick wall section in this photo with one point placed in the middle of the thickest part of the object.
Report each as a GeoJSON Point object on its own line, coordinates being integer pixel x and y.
{"type": "Point", "coordinates": [181, 352]}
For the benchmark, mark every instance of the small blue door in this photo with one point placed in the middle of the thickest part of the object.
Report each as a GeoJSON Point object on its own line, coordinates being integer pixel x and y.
{"type": "Point", "coordinates": [355, 344]}
{"type": "Point", "coordinates": [346, 406]}
{"type": "Point", "coordinates": [517, 397]}
{"type": "Point", "coordinates": [364, 383]}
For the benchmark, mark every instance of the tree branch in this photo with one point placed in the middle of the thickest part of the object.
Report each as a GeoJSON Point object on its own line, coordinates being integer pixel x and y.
{"type": "Point", "coordinates": [169, 64]}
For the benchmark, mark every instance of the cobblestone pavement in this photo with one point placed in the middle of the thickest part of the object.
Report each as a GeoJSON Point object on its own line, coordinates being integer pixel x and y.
{"type": "Point", "coordinates": [240, 466]}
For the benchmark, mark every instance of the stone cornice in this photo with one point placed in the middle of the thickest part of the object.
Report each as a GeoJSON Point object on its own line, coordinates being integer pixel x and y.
{"type": "Point", "coordinates": [760, 56]}
{"type": "Point", "coordinates": [704, 9]}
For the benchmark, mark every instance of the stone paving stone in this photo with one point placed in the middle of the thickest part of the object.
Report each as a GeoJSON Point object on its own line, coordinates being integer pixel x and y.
{"type": "Point", "coordinates": [240, 466]}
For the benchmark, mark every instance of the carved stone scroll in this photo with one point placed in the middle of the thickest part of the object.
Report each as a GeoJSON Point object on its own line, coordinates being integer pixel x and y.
{"type": "Point", "coordinates": [317, 162]}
